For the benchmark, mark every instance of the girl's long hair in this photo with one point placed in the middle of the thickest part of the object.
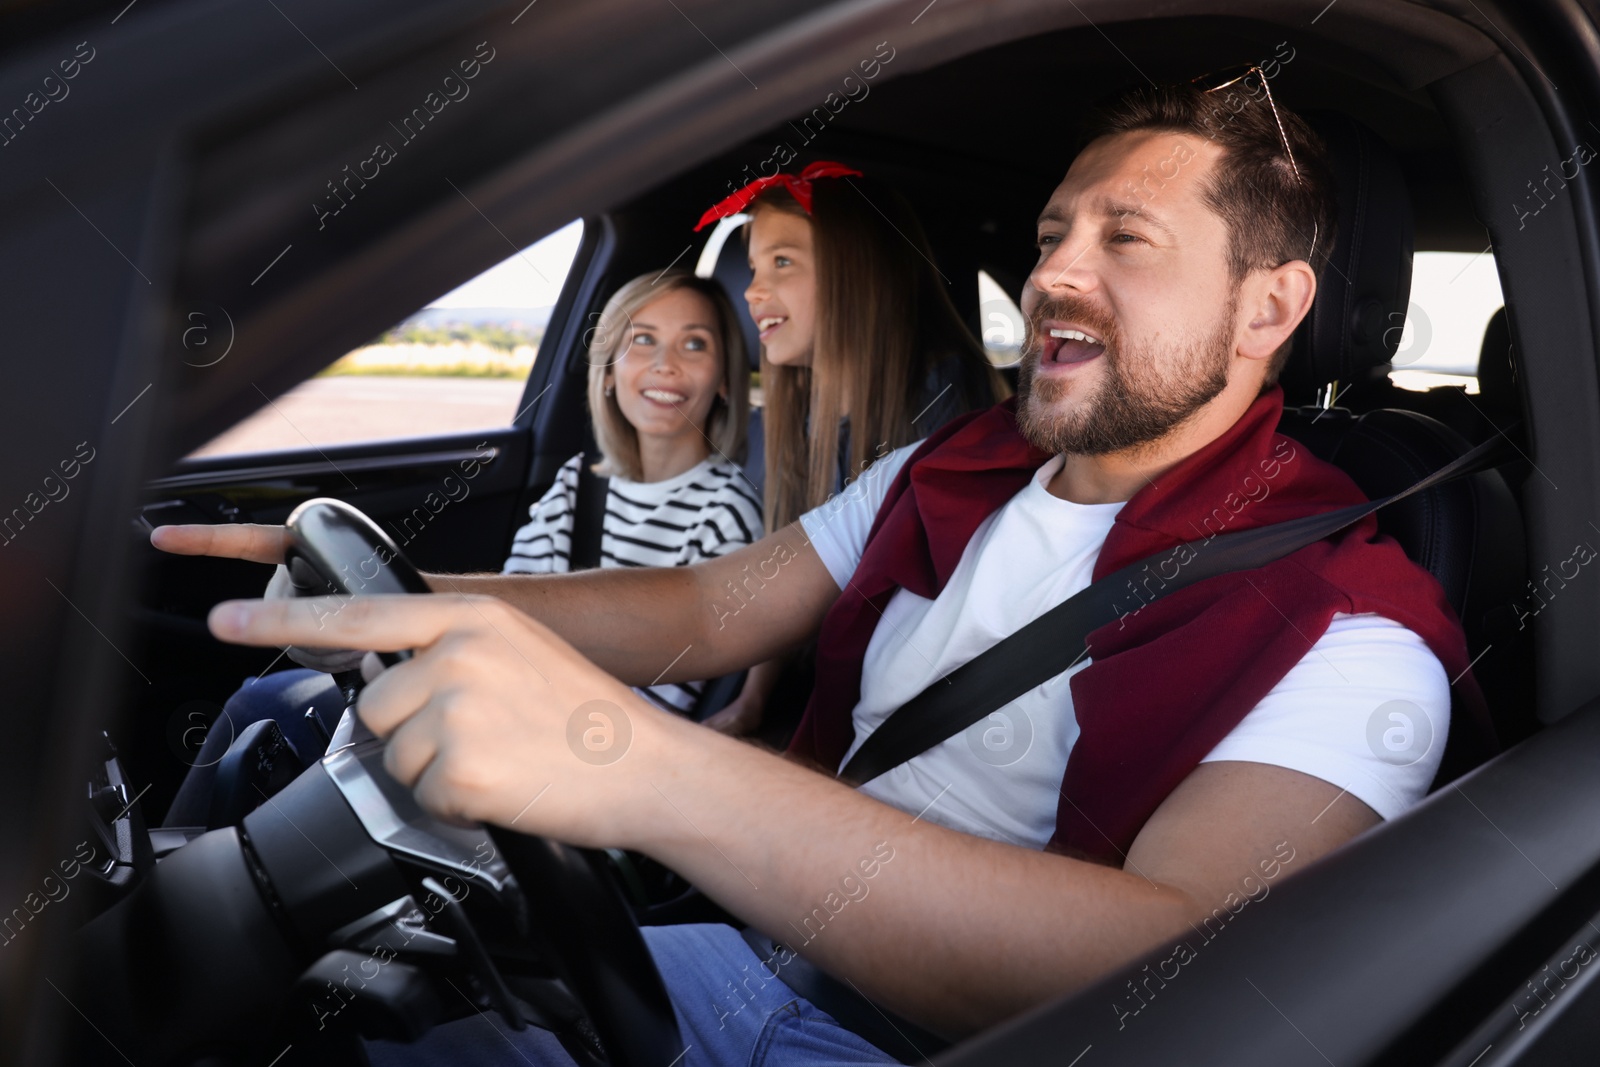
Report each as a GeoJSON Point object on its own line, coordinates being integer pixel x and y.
{"type": "Point", "coordinates": [883, 322]}
{"type": "Point", "coordinates": [727, 422]}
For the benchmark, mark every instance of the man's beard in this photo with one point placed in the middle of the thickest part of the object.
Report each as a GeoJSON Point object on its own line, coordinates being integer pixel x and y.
{"type": "Point", "coordinates": [1143, 394]}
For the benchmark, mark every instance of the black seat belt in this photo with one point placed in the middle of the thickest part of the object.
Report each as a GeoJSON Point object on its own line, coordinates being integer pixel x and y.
{"type": "Point", "coordinates": [588, 518]}
{"type": "Point", "coordinates": [1057, 639]}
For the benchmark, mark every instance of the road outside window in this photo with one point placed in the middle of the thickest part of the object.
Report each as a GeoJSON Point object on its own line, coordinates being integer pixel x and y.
{"type": "Point", "coordinates": [457, 365]}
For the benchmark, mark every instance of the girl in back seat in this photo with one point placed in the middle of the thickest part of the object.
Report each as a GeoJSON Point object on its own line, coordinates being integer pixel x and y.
{"type": "Point", "coordinates": [862, 350]}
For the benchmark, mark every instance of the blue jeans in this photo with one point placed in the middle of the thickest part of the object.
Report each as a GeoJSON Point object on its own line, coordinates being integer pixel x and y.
{"type": "Point", "coordinates": [284, 696]}
{"type": "Point", "coordinates": [731, 1013]}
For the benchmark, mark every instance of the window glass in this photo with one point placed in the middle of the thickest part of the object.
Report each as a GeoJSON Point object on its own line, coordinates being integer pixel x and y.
{"type": "Point", "coordinates": [1001, 322]}
{"type": "Point", "coordinates": [458, 364]}
{"type": "Point", "coordinates": [1453, 296]}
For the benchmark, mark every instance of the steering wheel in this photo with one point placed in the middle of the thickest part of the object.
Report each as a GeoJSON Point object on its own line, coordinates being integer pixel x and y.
{"type": "Point", "coordinates": [562, 899]}
{"type": "Point", "coordinates": [339, 909]}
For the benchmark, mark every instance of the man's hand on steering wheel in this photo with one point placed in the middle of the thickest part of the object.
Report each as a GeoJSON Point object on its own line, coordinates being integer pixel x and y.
{"type": "Point", "coordinates": [492, 713]}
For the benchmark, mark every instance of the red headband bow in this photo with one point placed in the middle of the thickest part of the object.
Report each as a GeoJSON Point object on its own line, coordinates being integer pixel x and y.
{"type": "Point", "coordinates": [799, 188]}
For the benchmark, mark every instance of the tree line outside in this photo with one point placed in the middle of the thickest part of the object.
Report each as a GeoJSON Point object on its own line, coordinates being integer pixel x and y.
{"type": "Point", "coordinates": [448, 350]}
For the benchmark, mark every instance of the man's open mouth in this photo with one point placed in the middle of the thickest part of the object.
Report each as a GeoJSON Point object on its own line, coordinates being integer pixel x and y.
{"type": "Point", "coordinates": [1069, 345]}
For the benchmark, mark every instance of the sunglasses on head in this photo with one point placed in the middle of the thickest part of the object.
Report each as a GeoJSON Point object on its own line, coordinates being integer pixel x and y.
{"type": "Point", "coordinates": [1214, 82]}
{"type": "Point", "coordinates": [1211, 83]}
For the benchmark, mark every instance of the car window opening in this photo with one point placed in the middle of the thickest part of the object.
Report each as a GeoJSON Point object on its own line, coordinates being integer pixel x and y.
{"type": "Point", "coordinates": [458, 364]}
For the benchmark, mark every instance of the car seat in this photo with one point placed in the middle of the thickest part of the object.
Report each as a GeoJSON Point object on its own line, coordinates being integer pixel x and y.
{"type": "Point", "coordinates": [1495, 409]}
{"type": "Point", "coordinates": [1467, 533]}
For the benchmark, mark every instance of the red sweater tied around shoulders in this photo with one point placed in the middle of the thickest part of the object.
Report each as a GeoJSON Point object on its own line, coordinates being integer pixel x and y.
{"type": "Point", "coordinates": [1170, 679]}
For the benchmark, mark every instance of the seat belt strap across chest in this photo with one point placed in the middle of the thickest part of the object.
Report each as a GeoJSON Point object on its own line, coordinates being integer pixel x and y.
{"type": "Point", "coordinates": [588, 518]}
{"type": "Point", "coordinates": [1057, 640]}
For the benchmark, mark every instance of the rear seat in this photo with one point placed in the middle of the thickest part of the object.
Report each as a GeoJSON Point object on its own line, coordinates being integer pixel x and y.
{"type": "Point", "coordinates": [1496, 407]}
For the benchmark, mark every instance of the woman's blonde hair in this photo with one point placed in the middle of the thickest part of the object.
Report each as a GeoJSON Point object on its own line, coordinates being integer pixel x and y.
{"type": "Point", "coordinates": [725, 425]}
{"type": "Point", "coordinates": [884, 323]}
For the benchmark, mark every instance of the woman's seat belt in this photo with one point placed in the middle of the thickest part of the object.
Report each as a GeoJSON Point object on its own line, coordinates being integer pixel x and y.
{"type": "Point", "coordinates": [588, 518]}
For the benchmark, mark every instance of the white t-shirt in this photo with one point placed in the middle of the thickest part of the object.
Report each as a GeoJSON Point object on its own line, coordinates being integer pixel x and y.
{"type": "Point", "coordinates": [1001, 777]}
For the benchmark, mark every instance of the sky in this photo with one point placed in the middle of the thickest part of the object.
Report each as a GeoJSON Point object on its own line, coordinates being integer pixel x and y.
{"type": "Point", "coordinates": [530, 279]}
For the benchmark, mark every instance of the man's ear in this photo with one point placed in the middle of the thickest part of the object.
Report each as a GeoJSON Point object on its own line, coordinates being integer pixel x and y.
{"type": "Point", "coordinates": [1275, 302]}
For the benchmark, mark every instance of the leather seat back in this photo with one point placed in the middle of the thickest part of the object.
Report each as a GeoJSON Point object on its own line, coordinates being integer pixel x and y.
{"type": "Point", "coordinates": [1468, 533]}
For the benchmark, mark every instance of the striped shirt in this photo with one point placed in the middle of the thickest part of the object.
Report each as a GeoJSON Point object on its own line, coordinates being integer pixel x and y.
{"type": "Point", "coordinates": [707, 511]}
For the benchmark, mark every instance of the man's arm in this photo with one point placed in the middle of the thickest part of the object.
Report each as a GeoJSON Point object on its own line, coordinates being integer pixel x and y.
{"type": "Point", "coordinates": [954, 931]}
{"type": "Point", "coordinates": [958, 932]}
{"type": "Point", "coordinates": [642, 625]}
{"type": "Point", "coordinates": [705, 620]}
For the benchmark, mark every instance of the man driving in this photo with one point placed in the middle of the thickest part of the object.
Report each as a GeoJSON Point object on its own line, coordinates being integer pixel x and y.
{"type": "Point", "coordinates": [1209, 741]}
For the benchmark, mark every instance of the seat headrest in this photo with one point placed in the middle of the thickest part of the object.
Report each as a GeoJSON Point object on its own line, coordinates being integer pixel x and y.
{"type": "Point", "coordinates": [1496, 369]}
{"type": "Point", "coordinates": [732, 271]}
{"type": "Point", "coordinates": [1363, 292]}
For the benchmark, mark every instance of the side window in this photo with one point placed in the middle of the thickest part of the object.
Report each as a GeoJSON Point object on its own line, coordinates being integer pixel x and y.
{"type": "Point", "coordinates": [1453, 296]}
{"type": "Point", "coordinates": [1003, 328]}
{"type": "Point", "coordinates": [458, 364]}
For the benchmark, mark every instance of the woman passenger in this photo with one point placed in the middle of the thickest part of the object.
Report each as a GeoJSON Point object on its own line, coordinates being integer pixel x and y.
{"type": "Point", "coordinates": [668, 394]}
